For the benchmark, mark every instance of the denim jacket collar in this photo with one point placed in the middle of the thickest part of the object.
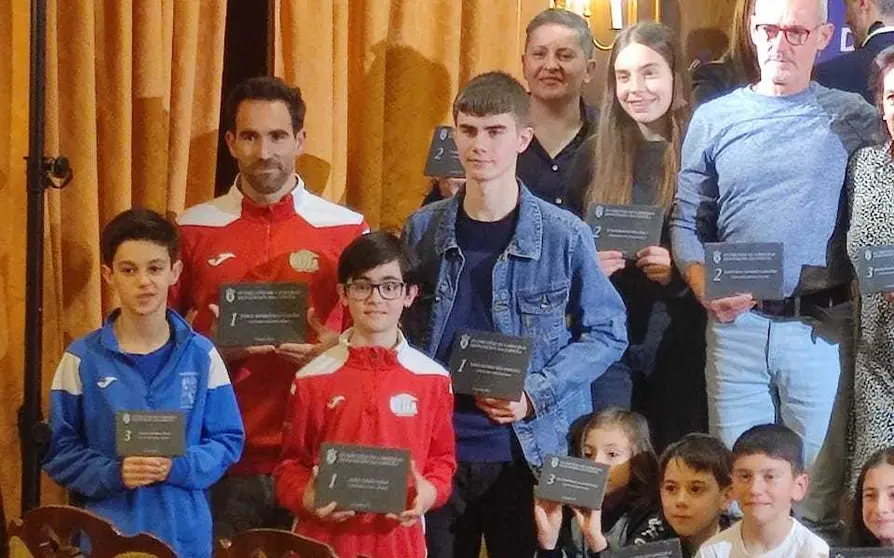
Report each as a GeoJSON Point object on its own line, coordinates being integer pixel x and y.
{"type": "Point", "coordinates": [526, 240]}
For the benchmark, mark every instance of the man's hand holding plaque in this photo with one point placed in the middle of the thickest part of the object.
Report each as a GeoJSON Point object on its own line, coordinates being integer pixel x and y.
{"type": "Point", "coordinates": [261, 314]}
{"type": "Point", "coordinates": [298, 353]}
{"type": "Point", "coordinates": [736, 275]}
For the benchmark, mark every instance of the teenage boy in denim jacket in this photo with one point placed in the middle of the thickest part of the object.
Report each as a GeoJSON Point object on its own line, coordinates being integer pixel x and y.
{"type": "Point", "coordinates": [497, 258]}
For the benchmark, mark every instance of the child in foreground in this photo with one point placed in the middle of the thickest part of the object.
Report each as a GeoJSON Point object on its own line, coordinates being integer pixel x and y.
{"type": "Point", "coordinates": [619, 439]}
{"type": "Point", "coordinates": [145, 358]}
{"type": "Point", "coordinates": [872, 522]}
{"type": "Point", "coordinates": [371, 389]}
{"type": "Point", "coordinates": [768, 478]}
{"type": "Point", "coordinates": [695, 493]}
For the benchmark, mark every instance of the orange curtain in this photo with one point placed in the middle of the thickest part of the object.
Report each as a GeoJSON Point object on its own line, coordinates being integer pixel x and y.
{"type": "Point", "coordinates": [133, 100]}
{"type": "Point", "coordinates": [378, 76]}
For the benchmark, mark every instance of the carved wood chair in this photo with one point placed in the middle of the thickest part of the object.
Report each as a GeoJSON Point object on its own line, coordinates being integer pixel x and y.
{"type": "Point", "coordinates": [55, 532]}
{"type": "Point", "coordinates": [272, 543]}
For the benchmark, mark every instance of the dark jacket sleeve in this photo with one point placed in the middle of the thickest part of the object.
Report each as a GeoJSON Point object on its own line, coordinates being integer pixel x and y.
{"type": "Point", "coordinates": [583, 168]}
{"type": "Point", "coordinates": [712, 80]}
{"type": "Point", "coordinates": [433, 195]}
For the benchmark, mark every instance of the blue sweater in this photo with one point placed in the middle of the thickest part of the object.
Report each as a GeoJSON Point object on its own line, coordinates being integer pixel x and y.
{"type": "Point", "coordinates": [93, 381]}
{"type": "Point", "coordinates": [771, 169]}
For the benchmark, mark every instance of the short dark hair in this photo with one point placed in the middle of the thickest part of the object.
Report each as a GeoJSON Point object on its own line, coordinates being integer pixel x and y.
{"type": "Point", "coordinates": [493, 93]}
{"type": "Point", "coordinates": [139, 224]}
{"type": "Point", "coordinates": [565, 18]}
{"type": "Point", "coordinates": [773, 440]}
{"type": "Point", "coordinates": [265, 88]}
{"type": "Point", "coordinates": [703, 453]}
{"type": "Point", "coordinates": [369, 251]}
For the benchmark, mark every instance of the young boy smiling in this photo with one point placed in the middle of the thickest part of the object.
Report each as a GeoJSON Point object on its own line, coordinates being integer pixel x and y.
{"type": "Point", "coordinates": [768, 478]}
{"type": "Point", "coordinates": [145, 358]}
{"type": "Point", "coordinates": [371, 389]}
{"type": "Point", "coordinates": [695, 488]}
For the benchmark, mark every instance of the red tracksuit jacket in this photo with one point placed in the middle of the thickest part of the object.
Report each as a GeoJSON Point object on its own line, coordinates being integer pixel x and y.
{"type": "Point", "coordinates": [230, 239]}
{"type": "Point", "coordinates": [394, 398]}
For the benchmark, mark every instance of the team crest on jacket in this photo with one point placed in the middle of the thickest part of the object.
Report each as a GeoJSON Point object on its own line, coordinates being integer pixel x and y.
{"type": "Point", "coordinates": [189, 384]}
{"type": "Point", "coordinates": [304, 261]}
{"type": "Point", "coordinates": [404, 405]}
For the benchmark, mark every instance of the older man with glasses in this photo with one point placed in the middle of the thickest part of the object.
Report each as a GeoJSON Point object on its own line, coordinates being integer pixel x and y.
{"type": "Point", "coordinates": [766, 163]}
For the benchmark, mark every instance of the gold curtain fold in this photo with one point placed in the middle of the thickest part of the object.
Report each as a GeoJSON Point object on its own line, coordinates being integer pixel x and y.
{"type": "Point", "coordinates": [378, 76]}
{"type": "Point", "coordinates": [133, 98]}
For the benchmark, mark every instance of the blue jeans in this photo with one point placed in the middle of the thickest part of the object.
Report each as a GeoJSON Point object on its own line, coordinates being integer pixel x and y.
{"type": "Point", "coordinates": [761, 370]}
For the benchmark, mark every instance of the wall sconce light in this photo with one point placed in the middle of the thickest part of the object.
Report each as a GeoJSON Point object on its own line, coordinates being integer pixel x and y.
{"type": "Point", "coordinates": [618, 19]}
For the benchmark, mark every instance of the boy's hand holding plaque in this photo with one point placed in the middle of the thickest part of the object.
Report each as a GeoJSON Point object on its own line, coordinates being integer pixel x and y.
{"type": "Point", "coordinates": [662, 549]}
{"type": "Point", "coordinates": [262, 314]}
{"type": "Point", "coordinates": [489, 364]}
{"type": "Point", "coordinates": [150, 433]}
{"type": "Point", "coordinates": [625, 228]}
{"type": "Point", "coordinates": [362, 478]}
{"type": "Point", "coordinates": [875, 269]}
{"type": "Point", "coordinates": [733, 268]}
{"type": "Point", "coordinates": [573, 481]}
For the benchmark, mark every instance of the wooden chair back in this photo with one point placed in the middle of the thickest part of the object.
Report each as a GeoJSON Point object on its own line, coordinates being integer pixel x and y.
{"type": "Point", "coordinates": [56, 531]}
{"type": "Point", "coordinates": [272, 543]}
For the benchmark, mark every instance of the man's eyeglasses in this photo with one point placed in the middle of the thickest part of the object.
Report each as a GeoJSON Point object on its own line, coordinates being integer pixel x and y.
{"type": "Point", "coordinates": [795, 35]}
{"type": "Point", "coordinates": [362, 290]}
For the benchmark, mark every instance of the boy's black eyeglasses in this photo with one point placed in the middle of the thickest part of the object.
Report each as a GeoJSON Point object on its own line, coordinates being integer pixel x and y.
{"type": "Point", "coordinates": [362, 290]}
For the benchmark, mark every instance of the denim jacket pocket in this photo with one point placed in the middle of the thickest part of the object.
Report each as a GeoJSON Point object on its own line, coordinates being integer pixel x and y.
{"type": "Point", "coordinates": [542, 312]}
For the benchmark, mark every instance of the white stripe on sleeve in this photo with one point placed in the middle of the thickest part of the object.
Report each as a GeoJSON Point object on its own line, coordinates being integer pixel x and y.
{"type": "Point", "coordinates": [218, 375]}
{"type": "Point", "coordinates": [68, 375]}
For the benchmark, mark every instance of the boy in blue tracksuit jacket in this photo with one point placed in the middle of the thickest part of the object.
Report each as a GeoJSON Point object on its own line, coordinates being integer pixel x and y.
{"type": "Point", "coordinates": [145, 358]}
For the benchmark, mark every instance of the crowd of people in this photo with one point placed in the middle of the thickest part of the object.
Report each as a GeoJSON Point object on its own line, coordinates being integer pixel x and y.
{"type": "Point", "coordinates": [741, 426]}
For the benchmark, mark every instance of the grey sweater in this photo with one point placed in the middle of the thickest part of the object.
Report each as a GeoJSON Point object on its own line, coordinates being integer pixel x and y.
{"type": "Point", "coordinates": [771, 169]}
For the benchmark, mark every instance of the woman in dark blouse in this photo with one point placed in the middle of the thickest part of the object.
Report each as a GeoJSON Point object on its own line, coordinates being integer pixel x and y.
{"type": "Point", "coordinates": [634, 159]}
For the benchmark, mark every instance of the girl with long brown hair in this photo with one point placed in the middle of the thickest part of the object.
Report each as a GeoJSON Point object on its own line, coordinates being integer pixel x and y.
{"type": "Point", "coordinates": [634, 159]}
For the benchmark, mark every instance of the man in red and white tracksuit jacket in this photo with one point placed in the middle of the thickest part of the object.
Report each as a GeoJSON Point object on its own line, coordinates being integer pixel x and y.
{"type": "Point", "coordinates": [231, 239]}
{"type": "Point", "coordinates": [267, 228]}
{"type": "Point", "coordinates": [375, 396]}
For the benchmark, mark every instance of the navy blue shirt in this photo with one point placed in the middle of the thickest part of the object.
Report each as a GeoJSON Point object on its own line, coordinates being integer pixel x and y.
{"type": "Point", "coordinates": [150, 364]}
{"type": "Point", "coordinates": [477, 437]}
{"type": "Point", "coordinates": [548, 177]}
{"type": "Point", "coordinates": [850, 71]}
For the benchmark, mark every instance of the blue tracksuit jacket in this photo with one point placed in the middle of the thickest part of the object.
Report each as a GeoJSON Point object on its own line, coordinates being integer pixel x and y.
{"type": "Point", "coordinates": [93, 381]}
